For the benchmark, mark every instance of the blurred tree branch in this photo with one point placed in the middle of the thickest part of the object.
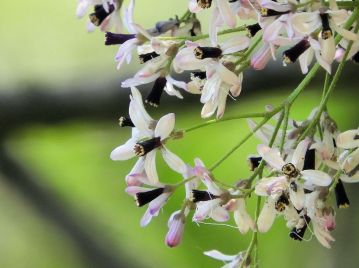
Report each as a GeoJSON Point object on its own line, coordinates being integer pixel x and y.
{"type": "Point", "coordinates": [36, 105]}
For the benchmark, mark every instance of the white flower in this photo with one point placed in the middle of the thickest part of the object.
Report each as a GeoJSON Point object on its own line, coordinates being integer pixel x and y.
{"type": "Point", "coordinates": [293, 168]}
{"type": "Point", "coordinates": [219, 84]}
{"type": "Point", "coordinates": [146, 141]}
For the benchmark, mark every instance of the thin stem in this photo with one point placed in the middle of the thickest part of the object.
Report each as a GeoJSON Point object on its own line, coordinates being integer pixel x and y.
{"type": "Point", "coordinates": [215, 121]}
{"type": "Point", "coordinates": [254, 239]}
{"type": "Point", "coordinates": [285, 126]}
{"type": "Point", "coordinates": [185, 16]}
{"type": "Point", "coordinates": [231, 151]}
{"type": "Point", "coordinates": [248, 52]}
{"type": "Point", "coordinates": [203, 36]}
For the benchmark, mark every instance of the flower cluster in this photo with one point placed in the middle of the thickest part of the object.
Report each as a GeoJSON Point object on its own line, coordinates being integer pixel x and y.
{"type": "Point", "coordinates": [298, 166]}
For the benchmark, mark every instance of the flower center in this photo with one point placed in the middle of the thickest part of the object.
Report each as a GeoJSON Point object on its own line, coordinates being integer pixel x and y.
{"type": "Point", "coordinates": [125, 121]}
{"type": "Point", "coordinates": [326, 30]}
{"type": "Point", "coordinates": [282, 202]}
{"type": "Point", "coordinates": [148, 56]}
{"type": "Point", "coordinates": [198, 195]}
{"type": "Point", "coordinates": [144, 198]}
{"type": "Point", "coordinates": [117, 39]}
{"type": "Point", "coordinates": [207, 52]}
{"type": "Point", "coordinates": [204, 3]}
{"type": "Point", "coordinates": [253, 162]}
{"type": "Point", "coordinates": [199, 75]}
{"type": "Point", "coordinates": [341, 195]}
{"type": "Point", "coordinates": [100, 14]}
{"type": "Point", "coordinates": [154, 97]}
{"type": "Point", "coordinates": [290, 170]}
{"type": "Point", "coordinates": [266, 12]}
{"type": "Point", "coordinates": [292, 54]}
{"type": "Point", "coordinates": [253, 29]}
{"type": "Point", "coordinates": [144, 147]}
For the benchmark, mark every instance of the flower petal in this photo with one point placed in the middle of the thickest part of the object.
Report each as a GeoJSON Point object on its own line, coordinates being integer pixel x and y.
{"type": "Point", "coordinates": [271, 156]}
{"type": "Point", "coordinates": [348, 139]}
{"type": "Point", "coordinates": [124, 152]}
{"type": "Point", "coordinates": [150, 167]}
{"type": "Point", "coordinates": [226, 13]}
{"type": "Point", "coordinates": [299, 154]}
{"type": "Point", "coordinates": [215, 254]}
{"type": "Point", "coordinates": [219, 214]}
{"type": "Point", "coordinates": [267, 216]}
{"type": "Point", "coordinates": [165, 126]}
{"type": "Point", "coordinates": [316, 177]}
{"type": "Point", "coordinates": [173, 161]}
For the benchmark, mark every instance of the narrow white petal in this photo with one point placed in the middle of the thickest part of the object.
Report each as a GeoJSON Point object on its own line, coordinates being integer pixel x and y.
{"type": "Point", "coordinates": [165, 126]}
{"type": "Point", "coordinates": [271, 156]}
{"type": "Point", "coordinates": [173, 161]}
{"type": "Point", "coordinates": [208, 109]}
{"type": "Point", "coordinates": [266, 217]}
{"type": "Point", "coordinates": [124, 152]}
{"type": "Point", "coordinates": [348, 139]}
{"type": "Point", "coordinates": [242, 218]}
{"type": "Point", "coordinates": [138, 119]}
{"type": "Point", "coordinates": [219, 214]}
{"type": "Point", "coordinates": [215, 254]}
{"type": "Point", "coordinates": [226, 13]}
{"type": "Point", "coordinates": [146, 218]}
{"type": "Point", "coordinates": [347, 179]}
{"type": "Point", "coordinates": [351, 162]}
{"type": "Point", "coordinates": [226, 75]}
{"type": "Point", "coordinates": [299, 154]}
{"type": "Point", "coordinates": [297, 197]}
{"type": "Point", "coordinates": [235, 44]}
{"type": "Point", "coordinates": [316, 177]}
{"type": "Point", "coordinates": [150, 167]}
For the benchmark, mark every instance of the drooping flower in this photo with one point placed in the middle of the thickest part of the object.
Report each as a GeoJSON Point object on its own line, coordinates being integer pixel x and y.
{"type": "Point", "coordinates": [176, 225]}
{"type": "Point", "coordinates": [146, 140]}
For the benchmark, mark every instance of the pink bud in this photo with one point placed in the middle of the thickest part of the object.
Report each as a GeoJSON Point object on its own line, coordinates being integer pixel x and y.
{"type": "Point", "coordinates": [176, 228]}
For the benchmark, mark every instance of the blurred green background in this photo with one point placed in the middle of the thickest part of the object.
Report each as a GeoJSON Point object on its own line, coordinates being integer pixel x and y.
{"type": "Point", "coordinates": [43, 45]}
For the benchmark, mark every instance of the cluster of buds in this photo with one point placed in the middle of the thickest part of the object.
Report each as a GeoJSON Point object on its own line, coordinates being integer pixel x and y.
{"type": "Point", "coordinates": [299, 167]}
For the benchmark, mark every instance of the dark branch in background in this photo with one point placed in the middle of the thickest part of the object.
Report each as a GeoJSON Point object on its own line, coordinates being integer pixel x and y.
{"type": "Point", "coordinates": [46, 202]}
{"type": "Point", "coordinates": [36, 105]}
